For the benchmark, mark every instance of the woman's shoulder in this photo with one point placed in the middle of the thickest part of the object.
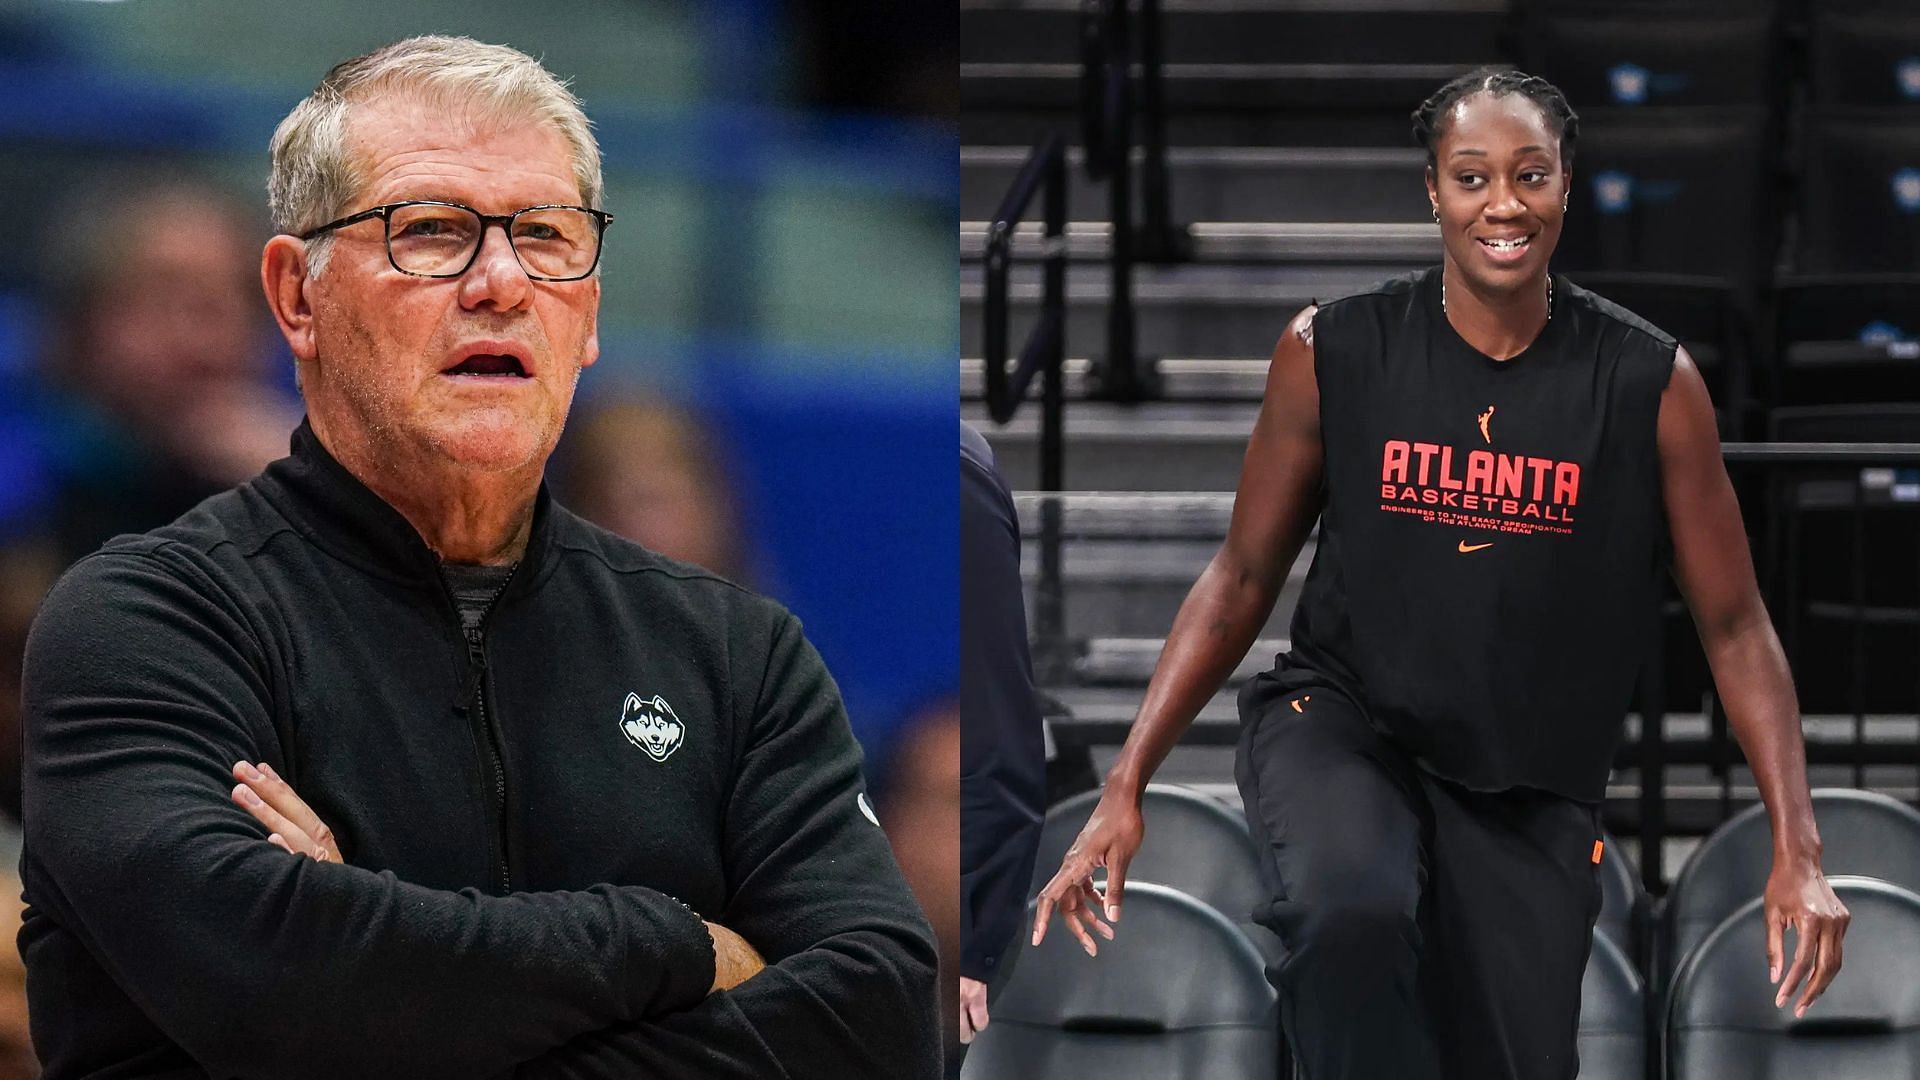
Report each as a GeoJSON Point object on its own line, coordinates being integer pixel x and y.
{"type": "Point", "coordinates": [1605, 314]}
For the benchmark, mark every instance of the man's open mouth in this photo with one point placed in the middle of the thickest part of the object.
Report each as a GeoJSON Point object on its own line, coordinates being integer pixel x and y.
{"type": "Point", "coordinates": [490, 364]}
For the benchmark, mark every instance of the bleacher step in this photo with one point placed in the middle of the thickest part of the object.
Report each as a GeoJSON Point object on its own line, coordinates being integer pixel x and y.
{"type": "Point", "coordinates": [1181, 379]}
{"type": "Point", "coordinates": [1230, 183]}
{"type": "Point", "coordinates": [1351, 242]}
{"type": "Point", "coordinates": [1191, 310]}
{"type": "Point", "coordinates": [1248, 30]}
{"type": "Point", "coordinates": [1157, 447]}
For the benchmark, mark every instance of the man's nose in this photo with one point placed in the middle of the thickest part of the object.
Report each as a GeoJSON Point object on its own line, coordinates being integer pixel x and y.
{"type": "Point", "coordinates": [496, 276]}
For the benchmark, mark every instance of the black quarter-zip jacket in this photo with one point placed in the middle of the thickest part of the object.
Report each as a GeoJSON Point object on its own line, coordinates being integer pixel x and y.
{"type": "Point", "coordinates": [531, 815]}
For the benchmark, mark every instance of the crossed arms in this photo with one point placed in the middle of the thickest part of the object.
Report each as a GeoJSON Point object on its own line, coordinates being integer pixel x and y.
{"type": "Point", "coordinates": [140, 696]}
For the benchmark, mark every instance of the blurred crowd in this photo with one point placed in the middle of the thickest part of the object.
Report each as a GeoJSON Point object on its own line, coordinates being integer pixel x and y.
{"type": "Point", "coordinates": [158, 381]}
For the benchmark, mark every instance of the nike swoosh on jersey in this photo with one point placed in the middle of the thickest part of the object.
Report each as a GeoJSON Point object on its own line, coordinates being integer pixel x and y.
{"type": "Point", "coordinates": [1466, 547]}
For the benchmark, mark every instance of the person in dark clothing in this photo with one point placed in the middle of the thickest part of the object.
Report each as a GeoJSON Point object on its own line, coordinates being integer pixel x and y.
{"type": "Point", "coordinates": [385, 764]}
{"type": "Point", "coordinates": [1003, 781]}
{"type": "Point", "coordinates": [1502, 464]}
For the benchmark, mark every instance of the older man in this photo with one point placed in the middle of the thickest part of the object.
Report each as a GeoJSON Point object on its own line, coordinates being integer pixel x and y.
{"type": "Point", "coordinates": [514, 796]}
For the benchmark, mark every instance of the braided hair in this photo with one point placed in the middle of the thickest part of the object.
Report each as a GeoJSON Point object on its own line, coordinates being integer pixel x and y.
{"type": "Point", "coordinates": [1429, 120]}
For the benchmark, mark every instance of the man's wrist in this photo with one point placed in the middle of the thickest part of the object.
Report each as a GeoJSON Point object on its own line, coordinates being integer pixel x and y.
{"type": "Point", "coordinates": [676, 947]}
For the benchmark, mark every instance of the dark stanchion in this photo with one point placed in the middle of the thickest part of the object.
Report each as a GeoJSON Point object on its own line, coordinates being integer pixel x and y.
{"type": "Point", "coordinates": [1653, 761]}
{"type": "Point", "coordinates": [1160, 241]}
{"type": "Point", "coordinates": [1857, 662]}
{"type": "Point", "coordinates": [1109, 33]}
{"type": "Point", "coordinates": [1045, 174]}
{"type": "Point", "coordinates": [1120, 375]}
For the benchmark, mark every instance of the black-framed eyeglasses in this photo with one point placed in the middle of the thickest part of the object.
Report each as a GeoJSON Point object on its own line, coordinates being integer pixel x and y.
{"type": "Point", "coordinates": [428, 238]}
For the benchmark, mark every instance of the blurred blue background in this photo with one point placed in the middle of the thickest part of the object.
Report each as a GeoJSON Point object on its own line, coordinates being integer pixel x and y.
{"type": "Point", "coordinates": [779, 284]}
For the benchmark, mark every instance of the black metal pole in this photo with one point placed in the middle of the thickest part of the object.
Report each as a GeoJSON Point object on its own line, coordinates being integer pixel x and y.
{"type": "Point", "coordinates": [1122, 377]}
{"type": "Point", "coordinates": [1857, 689]}
{"type": "Point", "coordinates": [1050, 602]}
{"type": "Point", "coordinates": [1160, 239]}
{"type": "Point", "coordinates": [1653, 758]}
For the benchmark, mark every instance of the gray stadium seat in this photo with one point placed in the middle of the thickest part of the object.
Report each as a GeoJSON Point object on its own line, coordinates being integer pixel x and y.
{"type": "Point", "coordinates": [1622, 904]}
{"type": "Point", "coordinates": [1721, 1019]}
{"type": "Point", "coordinates": [1861, 832]}
{"type": "Point", "coordinates": [1613, 1016]}
{"type": "Point", "coordinates": [1864, 57]}
{"type": "Point", "coordinates": [1179, 993]}
{"type": "Point", "coordinates": [1193, 843]}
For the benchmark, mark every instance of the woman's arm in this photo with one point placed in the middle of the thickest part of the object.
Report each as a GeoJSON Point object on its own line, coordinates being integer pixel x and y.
{"type": "Point", "coordinates": [1715, 570]}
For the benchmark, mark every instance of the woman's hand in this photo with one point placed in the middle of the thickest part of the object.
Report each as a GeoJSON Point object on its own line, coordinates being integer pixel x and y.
{"type": "Point", "coordinates": [1110, 839]}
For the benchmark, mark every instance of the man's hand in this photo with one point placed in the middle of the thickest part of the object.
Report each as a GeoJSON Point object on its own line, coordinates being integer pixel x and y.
{"type": "Point", "coordinates": [734, 961]}
{"type": "Point", "coordinates": [973, 1008]}
{"type": "Point", "coordinates": [1798, 896]}
{"type": "Point", "coordinates": [297, 829]}
{"type": "Point", "coordinates": [294, 825]}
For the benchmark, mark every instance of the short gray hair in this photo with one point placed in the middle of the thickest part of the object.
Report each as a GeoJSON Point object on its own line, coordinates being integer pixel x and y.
{"type": "Point", "coordinates": [315, 174]}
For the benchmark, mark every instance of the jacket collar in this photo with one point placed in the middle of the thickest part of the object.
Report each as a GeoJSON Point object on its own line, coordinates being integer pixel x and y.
{"type": "Point", "coordinates": [331, 507]}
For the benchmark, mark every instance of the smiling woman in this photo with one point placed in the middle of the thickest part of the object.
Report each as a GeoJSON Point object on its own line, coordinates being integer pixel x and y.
{"type": "Point", "coordinates": [1500, 462]}
{"type": "Point", "coordinates": [1499, 172]}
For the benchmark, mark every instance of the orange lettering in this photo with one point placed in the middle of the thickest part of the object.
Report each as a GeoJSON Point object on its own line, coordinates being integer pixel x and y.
{"type": "Point", "coordinates": [1480, 471]}
{"type": "Point", "coordinates": [1447, 479]}
{"type": "Point", "coordinates": [1508, 481]}
{"type": "Point", "coordinates": [1394, 467]}
{"type": "Point", "coordinates": [1425, 452]}
{"type": "Point", "coordinates": [1566, 483]}
{"type": "Point", "coordinates": [1539, 467]}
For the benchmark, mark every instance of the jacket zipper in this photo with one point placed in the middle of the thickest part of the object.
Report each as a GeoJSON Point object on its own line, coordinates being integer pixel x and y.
{"type": "Point", "coordinates": [482, 717]}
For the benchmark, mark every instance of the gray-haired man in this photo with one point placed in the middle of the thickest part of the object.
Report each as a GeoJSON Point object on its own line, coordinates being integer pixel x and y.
{"type": "Point", "coordinates": [513, 795]}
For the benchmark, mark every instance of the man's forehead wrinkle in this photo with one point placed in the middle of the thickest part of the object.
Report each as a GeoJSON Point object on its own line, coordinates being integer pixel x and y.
{"type": "Point", "coordinates": [462, 173]}
{"type": "Point", "coordinates": [454, 141]}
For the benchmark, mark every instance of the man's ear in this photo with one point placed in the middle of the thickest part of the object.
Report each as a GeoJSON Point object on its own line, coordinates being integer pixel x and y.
{"type": "Point", "coordinates": [591, 347]}
{"type": "Point", "coordinates": [283, 274]}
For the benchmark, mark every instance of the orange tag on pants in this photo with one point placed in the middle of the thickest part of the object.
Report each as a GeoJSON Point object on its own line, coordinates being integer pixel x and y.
{"type": "Point", "coordinates": [1598, 847]}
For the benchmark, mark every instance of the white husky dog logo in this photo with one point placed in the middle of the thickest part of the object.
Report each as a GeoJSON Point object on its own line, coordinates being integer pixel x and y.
{"type": "Point", "coordinates": [651, 726]}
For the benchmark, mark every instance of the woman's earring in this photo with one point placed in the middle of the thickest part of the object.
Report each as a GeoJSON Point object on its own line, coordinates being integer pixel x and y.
{"type": "Point", "coordinates": [1436, 213]}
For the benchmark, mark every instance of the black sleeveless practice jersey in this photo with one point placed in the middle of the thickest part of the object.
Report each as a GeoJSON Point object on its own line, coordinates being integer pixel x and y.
{"type": "Point", "coordinates": [1492, 540]}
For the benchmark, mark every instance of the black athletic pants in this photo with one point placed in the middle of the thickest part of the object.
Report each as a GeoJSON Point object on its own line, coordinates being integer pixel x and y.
{"type": "Point", "coordinates": [1429, 931]}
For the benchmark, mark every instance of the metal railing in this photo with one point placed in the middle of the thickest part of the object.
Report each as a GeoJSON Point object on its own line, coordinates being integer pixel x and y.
{"type": "Point", "coordinates": [1718, 750]}
{"type": "Point", "coordinates": [1109, 119]}
{"type": "Point", "coordinates": [1044, 174]}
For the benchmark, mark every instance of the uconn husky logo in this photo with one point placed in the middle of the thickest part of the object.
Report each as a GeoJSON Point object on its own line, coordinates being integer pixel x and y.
{"type": "Point", "coordinates": [651, 726]}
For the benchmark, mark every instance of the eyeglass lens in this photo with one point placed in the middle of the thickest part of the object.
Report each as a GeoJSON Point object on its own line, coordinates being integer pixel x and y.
{"type": "Point", "coordinates": [440, 240]}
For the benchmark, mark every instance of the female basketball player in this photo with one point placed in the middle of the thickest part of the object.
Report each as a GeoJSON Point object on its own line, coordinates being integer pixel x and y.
{"type": "Point", "coordinates": [1500, 461]}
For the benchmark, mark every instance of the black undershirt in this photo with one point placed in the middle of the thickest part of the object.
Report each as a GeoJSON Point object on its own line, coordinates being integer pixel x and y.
{"type": "Point", "coordinates": [474, 588]}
